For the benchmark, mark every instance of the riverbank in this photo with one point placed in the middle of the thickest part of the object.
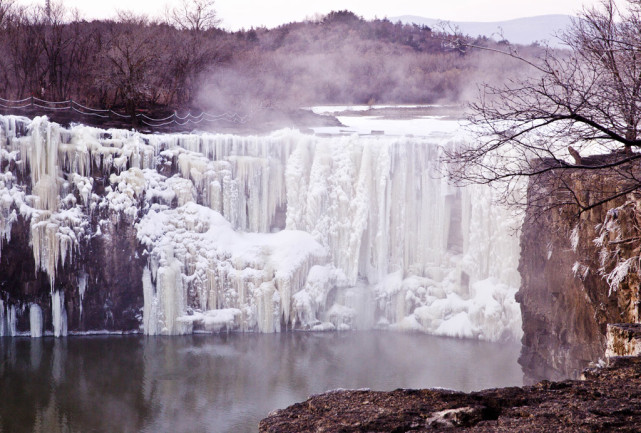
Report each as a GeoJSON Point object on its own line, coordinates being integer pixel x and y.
{"type": "Point", "coordinates": [606, 399]}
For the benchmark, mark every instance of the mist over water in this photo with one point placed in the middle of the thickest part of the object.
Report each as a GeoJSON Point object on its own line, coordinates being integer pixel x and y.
{"type": "Point", "coordinates": [222, 383]}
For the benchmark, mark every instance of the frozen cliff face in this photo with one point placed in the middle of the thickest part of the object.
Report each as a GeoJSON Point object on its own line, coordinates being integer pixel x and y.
{"type": "Point", "coordinates": [253, 233]}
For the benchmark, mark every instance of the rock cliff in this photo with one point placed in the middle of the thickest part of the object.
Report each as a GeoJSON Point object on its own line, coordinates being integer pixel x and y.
{"type": "Point", "coordinates": [576, 271]}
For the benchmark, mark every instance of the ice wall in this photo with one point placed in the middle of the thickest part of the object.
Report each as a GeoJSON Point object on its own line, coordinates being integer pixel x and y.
{"type": "Point", "coordinates": [264, 233]}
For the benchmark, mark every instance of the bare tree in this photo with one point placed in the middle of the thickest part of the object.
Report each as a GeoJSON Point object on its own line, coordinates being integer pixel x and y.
{"type": "Point", "coordinates": [196, 15]}
{"type": "Point", "coordinates": [25, 54]}
{"type": "Point", "coordinates": [60, 42]}
{"type": "Point", "coordinates": [576, 105]}
{"type": "Point", "coordinates": [131, 55]}
{"type": "Point", "coordinates": [5, 11]}
{"type": "Point", "coordinates": [191, 56]}
{"type": "Point", "coordinates": [6, 15]}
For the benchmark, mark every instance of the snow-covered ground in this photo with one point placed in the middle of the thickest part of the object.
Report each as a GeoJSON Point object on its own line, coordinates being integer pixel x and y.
{"type": "Point", "coordinates": [421, 126]}
{"type": "Point", "coordinates": [256, 232]}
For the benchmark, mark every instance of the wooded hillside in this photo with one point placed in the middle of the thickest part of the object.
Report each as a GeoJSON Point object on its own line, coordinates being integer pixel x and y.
{"type": "Point", "coordinates": [135, 62]}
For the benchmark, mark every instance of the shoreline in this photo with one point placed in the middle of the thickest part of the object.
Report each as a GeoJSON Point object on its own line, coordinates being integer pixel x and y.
{"type": "Point", "coordinates": [605, 399]}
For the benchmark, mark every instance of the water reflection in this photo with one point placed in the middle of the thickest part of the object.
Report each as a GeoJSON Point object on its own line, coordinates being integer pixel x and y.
{"type": "Point", "coordinates": [223, 383]}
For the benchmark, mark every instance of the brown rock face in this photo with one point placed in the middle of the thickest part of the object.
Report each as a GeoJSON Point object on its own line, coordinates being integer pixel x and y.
{"type": "Point", "coordinates": [623, 339]}
{"type": "Point", "coordinates": [566, 302]}
{"type": "Point", "coordinates": [607, 400]}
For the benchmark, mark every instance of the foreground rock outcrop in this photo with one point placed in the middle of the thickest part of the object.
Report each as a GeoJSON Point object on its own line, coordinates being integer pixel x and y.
{"type": "Point", "coordinates": [608, 399]}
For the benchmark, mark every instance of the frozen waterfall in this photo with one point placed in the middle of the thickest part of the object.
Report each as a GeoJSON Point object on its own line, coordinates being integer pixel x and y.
{"type": "Point", "coordinates": [266, 233]}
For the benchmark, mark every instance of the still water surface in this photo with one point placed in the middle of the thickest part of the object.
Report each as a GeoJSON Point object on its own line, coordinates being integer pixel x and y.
{"type": "Point", "coordinates": [222, 383]}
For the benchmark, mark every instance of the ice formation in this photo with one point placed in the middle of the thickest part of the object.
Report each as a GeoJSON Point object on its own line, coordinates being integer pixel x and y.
{"type": "Point", "coordinates": [58, 314]}
{"type": "Point", "coordinates": [8, 315]}
{"type": "Point", "coordinates": [269, 232]}
{"type": "Point", "coordinates": [35, 320]}
{"type": "Point", "coordinates": [196, 259]}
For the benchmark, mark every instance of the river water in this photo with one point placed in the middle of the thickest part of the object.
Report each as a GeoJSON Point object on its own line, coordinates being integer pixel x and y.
{"type": "Point", "coordinates": [222, 383]}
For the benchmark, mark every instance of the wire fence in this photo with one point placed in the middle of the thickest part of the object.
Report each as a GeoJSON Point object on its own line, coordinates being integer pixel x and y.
{"type": "Point", "coordinates": [75, 107]}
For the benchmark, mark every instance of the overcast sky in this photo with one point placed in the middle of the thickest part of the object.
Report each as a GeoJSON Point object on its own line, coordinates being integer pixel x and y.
{"type": "Point", "coordinates": [247, 13]}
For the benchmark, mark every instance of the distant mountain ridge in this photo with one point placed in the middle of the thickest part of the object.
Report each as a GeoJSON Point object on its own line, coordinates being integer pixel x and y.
{"type": "Point", "coordinates": [521, 30]}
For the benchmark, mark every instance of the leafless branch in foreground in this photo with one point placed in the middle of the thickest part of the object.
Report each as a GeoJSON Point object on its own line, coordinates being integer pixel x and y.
{"type": "Point", "coordinates": [583, 101]}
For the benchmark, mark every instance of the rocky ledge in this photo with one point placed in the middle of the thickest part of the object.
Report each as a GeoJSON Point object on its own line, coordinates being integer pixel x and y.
{"type": "Point", "coordinates": [606, 399]}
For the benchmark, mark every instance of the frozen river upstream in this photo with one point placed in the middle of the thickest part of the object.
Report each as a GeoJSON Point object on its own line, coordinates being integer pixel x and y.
{"type": "Point", "coordinates": [222, 383]}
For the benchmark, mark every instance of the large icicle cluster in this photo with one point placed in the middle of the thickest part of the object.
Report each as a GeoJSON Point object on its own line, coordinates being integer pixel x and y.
{"type": "Point", "coordinates": [198, 261]}
{"type": "Point", "coordinates": [619, 244]}
{"type": "Point", "coordinates": [257, 233]}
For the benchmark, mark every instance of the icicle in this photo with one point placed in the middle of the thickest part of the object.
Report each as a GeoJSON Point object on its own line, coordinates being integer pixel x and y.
{"type": "Point", "coordinates": [82, 286]}
{"type": "Point", "coordinates": [58, 314]}
{"type": "Point", "coordinates": [35, 320]}
{"type": "Point", "coordinates": [171, 297]}
{"type": "Point", "coordinates": [12, 321]}
{"type": "Point", "coordinates": [150, 304]}
{"type": "Point", "coordinates": [3, 323]}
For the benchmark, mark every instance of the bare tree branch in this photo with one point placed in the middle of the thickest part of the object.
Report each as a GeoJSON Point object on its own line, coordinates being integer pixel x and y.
{"type": "Point", "coordinates": [196, 15]}
{"type": "Point", "coordinates": [586, 98]}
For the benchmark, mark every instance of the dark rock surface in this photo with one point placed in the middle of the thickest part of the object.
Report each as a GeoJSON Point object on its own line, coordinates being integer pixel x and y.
{"type": "Point", "coordinates": [609, 399]}
{"type": "Point", "coordinates": [111, 265]}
